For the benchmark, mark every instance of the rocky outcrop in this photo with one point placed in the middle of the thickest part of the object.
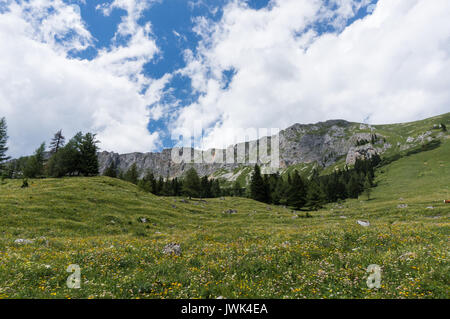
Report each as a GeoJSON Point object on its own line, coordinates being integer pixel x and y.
{"type": "Point", "coordinates": [360, 152]}
{"type": "Point", "coordinates": [324, 143]}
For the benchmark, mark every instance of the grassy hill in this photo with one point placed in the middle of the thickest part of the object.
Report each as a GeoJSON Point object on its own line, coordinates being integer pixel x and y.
{"type": "Point", "coordinates": [260, 251]}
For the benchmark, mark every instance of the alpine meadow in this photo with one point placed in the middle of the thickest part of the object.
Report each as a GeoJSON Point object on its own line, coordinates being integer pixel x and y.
{"type": "Point", "coordinates": [224, 158]}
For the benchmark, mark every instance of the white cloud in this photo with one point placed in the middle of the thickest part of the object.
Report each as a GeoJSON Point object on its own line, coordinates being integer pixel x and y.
{"type": "Point", "coordinates": [393, 65]}
{"type": "Point", "coordinates": [44, 90]}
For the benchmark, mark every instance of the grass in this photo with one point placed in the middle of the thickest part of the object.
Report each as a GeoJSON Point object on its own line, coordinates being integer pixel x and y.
{"type": "Point", "coordinates": [260, 252]}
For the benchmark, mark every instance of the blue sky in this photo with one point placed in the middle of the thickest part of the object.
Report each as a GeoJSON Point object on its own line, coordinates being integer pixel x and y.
{"type": "Point", "coordinates": [172, 27]}
{"type": "Point", "coordinates": [141, 73]}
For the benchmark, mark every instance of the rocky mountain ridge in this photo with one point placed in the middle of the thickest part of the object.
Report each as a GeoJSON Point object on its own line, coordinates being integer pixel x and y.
{"type": "Point", "coordinates": [324, 143]}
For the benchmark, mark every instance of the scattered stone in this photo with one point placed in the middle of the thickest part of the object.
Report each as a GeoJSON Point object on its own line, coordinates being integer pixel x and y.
{"type": "Point", "coordinates": [222, 198]}
{"type": "Point", "coordinates": [172, 249]}
{"type": "Point", "coordinates": [44, 240]}
{"type": "Point", "coordinates": [269, 208]}
{"type": "Point", "coordinates": [158, 232]}
{"type": "Point", "coordinates": [430, 207]}
{"type": "Point", "coordinates": [21, 241]}
{"type": "Point", "coordinates": [408, 256]}
{"type": "Point", "coordinates": [401, 198]}
{"type": "Point", "coordinates": [402, 206]}
{"type": "Point", "coordinates": [355, 249]}
{"type": "Point", "coordinates": [342, 216]}
{"type": "Point", "coordinates": [142, 220]}
{"type": "Point", "coordinates": [364, 223]}
{"type": "Point", "coordinates": [220, 297]}
{"type": "Point", "coordinates": [173, 206]}
{"type": "Point", "coordinates": [295, 216]}
{"type": "Point", "coordinates": [286, 244]}
{"type": "Point", "coordinates": [184, 201]}
{"type": "Point", "coordinates": [230, 211]}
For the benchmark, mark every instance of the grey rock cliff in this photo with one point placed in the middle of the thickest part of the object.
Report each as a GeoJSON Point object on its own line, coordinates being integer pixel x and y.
{"type": "Point", "coordinates": [324, 143]}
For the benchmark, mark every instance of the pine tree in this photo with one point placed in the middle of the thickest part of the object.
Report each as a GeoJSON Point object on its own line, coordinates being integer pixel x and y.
{"type": "Point", "coordinates": [315, 197]}
{"type": "Point", "coordinates": [3, 142]}
{"type": "Point", "coordinates": [88, 155]}
{"type": "Point", "coordinates": [205, 186]}
{"type": "Point", "coordinates": [367, 187]}
{"type": "Point", "coordinates": [258, 189]}
{"type": "Point", "coordinates": [353, 186]}
{"type": "Point", "coordinates": [66, 161]}
{"type": "Point", "coordinates": [111, 171]}
{"type": "Point", "coordinates": [191, 184]}
{"type": "Point", "coordinates": [159, 186]}
{"type": "Point", "coordinates": [176, 187]}
{"type": "Point", "coordinates": [35, 164]}
{"type": "Point", "coordinates": [237, 189]}
{"type": "Point", "coordinates": [216, 191]}
{"type": "Point", "coordinates": [132, 174]}
{"type": "Point", "coordinates": [280, 193]}
{"type": "Point", "coordinates": [297, 191]}
{"type": "Point", "coordinates": [57, 142]}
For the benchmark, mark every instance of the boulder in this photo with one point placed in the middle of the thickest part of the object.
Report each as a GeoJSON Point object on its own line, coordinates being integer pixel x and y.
{"type": "Point", "coordinates": [364, 223]}
{"type": "Point", "coordinates": [172, 249]}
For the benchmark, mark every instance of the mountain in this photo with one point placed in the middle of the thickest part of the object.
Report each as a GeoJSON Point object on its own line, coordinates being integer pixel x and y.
{"type": "Point", "coordinates": [121, 236]}
{"type": "Point", "coordinates": [324, 145]}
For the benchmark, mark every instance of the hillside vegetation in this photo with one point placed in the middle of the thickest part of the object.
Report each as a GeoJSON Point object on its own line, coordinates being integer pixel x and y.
{"type": "Point", "coordinates": [259, 251]}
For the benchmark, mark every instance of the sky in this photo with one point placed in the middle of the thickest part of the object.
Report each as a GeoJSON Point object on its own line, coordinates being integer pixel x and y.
{"type": "Point", "coordinates": [140, 73]}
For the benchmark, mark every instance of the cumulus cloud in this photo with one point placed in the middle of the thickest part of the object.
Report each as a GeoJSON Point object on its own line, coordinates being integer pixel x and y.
{"type": "Point", "coordinates": [391, 66]}
{"type": "Point", "coordinates": [44, 89]}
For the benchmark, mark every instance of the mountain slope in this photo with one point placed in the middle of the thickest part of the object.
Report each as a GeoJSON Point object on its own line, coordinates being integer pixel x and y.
{"type": "Point", "coordinates": [323, 145]}
{"type": "Point", "coordinates": [260, 251]}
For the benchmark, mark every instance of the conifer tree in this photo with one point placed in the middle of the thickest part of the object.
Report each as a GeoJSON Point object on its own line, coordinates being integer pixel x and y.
{"type": "Point", "coordinates": [57, 142]}
{"type": "Point", "coordinates": [205, 186]}
{"type": "Point", "coordinates": [35, 164]}
{"type": "Point", "coordinates": [111, 171]}
{"type": "Point", "coordinates": [297, 191]}
{"type": "Point", "coordinates": [132, 174]}
{"type": "Point", "coordinates": [315, 197]}
{"type": "Point", "coordinates": [88, 155]}
{"type": "Point", "coordinates": [367, 187]}
{"type": "Point", "coordinates": [258, 189]}
{"type": "Point", "coordinates": [3, 142]}
{"type": "Point", "coordinates": [237, 189]}
{"type": "Point", "coordinates": [191, 184]}
{"type": "Point", "coordinates": [216, 191]}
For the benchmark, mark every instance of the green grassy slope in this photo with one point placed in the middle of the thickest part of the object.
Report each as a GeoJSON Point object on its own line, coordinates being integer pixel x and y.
{"type": "Point", "coordinates": [261, 251]}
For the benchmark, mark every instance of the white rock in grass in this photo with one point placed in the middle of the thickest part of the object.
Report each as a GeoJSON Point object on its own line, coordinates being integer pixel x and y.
{"type": "Point", "coordinates": [21, 241]}
{"type": "Point", "coordinates": [172, 249]}
{"type": "Point", "coordinates": [364, 223]}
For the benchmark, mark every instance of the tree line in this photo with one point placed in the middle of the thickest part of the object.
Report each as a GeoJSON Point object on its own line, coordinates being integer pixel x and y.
{"type": "Point", "coordinates": [76, 158]}
{"type": "Point", "coordinates": [312, 193]}
{"type": "Point", "coordinates": [79, 157]}
{"type": "Point", "coordinates": [191, 185]}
